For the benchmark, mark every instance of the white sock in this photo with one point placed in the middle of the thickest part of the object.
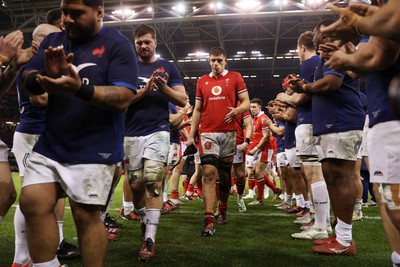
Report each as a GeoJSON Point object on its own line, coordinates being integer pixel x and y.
{"type": "Point", "coordinates": [343, 233]}
{"type": "Point", "coordinates": [21, 255]}
{"type": "Point", "coordinates": [152, 219]}
{"type": "Point", "coordinates": [52, 263]}
{"type": "Point", "coordinates": [395, 258]}
{"type": "Point", "coordinates": [239, 197]}
{"type": "Point", "coordinates": [266, 192]}
{"type": "Point", "coordinates": [102, 215]}
{"type": "Point", "coordinates": [60, 231]}
{"type": "Point", "coordinates": [128, 207]}
{"type": "Point", "coordinates": [165, 192]}
{"type": "Point", "coordinates": [321, 203]}
{"type": "Point", "coordinates": [288, 199]}
{"type": "Point", "coordinates": [307, 204]}
{"type": "Point", "coordinates": [142, 214]}
{"type": "Point", "coordinates": [357, 206]}
{"type": "Point", "coordinates": [300, 200]}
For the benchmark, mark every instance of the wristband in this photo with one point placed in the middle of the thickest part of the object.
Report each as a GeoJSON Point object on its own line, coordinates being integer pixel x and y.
{"type": "Point", "coordinates": [247, 140]}
{"type": "Point", "coordinates": [86, 92]}
{"type": "Point", "coordinates": [32, 85]}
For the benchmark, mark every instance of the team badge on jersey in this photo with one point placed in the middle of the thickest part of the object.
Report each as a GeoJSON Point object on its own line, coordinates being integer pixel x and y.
{"type": "Point", "coordinates": [98, 51]}
{"type": "Point", "coordinates": [207, 145]}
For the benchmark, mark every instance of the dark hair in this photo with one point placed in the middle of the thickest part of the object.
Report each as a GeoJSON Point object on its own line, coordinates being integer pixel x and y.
{"type": "Point", "coordinates": [325, 22]}
{"type": "Point", "coordinates": [257, 101]}
{"type": "Point", "coordinates": [90, 3]}
{"type": "Point", "coordinates": [143, 29]}
{"type": "Point", "coordinates": [54, 16]}
{"type": "Point", "coordinates": [216, 51]}
{"type": "Point", "coordinates": [306, 39]}
{"type": "Point", "coordinates": [93, 3]}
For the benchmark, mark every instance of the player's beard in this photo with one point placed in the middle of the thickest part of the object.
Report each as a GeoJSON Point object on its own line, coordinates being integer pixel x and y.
{"type": "Point", "coordinates": [147, 55]}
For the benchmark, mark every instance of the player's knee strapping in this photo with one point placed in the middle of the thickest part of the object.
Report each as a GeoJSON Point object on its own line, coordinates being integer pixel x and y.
{"type": "Point", "coordinates": [310, 161]}
{"type": "Point", "coordinates": [153, 175]}
{"type": "Point", "coordinates": [225, 181]}
{"type": "Point", "coordinates": [135, 176]}
{"type": "Point", "coordinates": [209, 160]}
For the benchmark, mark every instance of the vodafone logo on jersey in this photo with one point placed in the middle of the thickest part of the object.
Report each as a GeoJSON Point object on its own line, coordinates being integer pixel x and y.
{"type": "Point", "coordinates": [216, 90]}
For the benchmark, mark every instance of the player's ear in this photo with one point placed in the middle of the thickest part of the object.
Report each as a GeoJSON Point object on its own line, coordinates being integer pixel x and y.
{"type": "Point", "coordinates": [100, 12]}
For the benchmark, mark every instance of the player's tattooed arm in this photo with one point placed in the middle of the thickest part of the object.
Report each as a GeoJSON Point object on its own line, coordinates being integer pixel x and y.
{"type": "Point", "coordinates": [112, 97]}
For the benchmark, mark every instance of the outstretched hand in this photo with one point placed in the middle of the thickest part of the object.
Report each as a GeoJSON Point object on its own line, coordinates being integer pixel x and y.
{"type": "Point", "coordinates": [67, 85]}
{"type": "Point", "coordinates": [56, 61]}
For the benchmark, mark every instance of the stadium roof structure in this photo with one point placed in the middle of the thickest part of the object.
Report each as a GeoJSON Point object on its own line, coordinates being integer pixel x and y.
{"type": "Point", "coordinates": [259, 36]}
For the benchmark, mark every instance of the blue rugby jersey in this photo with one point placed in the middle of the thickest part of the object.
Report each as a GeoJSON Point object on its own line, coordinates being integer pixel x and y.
{"type": "Point", "coordinates": [32, 118]}
{"type": "Point", "coordinates": [280, 140]}
{"type": "Point", "coordinates": [174, 138]}
{"type": "Point", "coordinates": [339, 110]}
{"type": "Point", "coordinates": [151, 114]}
{"type": "Point", "coordinates": [76, 131]}
{"type": "Point", "coordinates": [290, 137]}
{"type": "Point", "coordinates": [377, 86]}
{"type": "Point", "coordinates": [307, 71]}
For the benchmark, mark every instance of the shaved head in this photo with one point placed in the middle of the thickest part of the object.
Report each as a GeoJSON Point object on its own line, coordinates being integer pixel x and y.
{"type": "Point", "coordinates": [42, 31]}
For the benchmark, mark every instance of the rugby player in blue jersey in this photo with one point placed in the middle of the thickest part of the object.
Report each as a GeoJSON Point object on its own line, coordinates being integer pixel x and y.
{"type": "Point", "coordinates": [90, 74]}
{"type": "Point", "coordinates": [147, 133]}
{"type": "Point", "coordinates": [338, 119]}
{"type": "Point", "coordinates": [305, 143]}
{"type": "Point", "coordinates": [379, 59]}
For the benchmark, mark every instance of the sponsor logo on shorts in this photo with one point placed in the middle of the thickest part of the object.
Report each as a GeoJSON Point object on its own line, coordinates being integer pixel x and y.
{"type": "Point", "coordinates": [328, 126]}
{"type": "Point", "coordinates": [207, 145]}
{"type": "Point", "coordinates": [378, 173]}
{"type": "Point", "coordinates": [105, 155]}
{"type": "Point", "coordinates": [93, 195]}
{"type": "Point", "coordinates": [376, 113]}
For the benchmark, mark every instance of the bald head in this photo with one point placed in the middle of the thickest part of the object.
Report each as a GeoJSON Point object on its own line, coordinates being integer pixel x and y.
{"type": "Point", "coordinates": [42, 31]}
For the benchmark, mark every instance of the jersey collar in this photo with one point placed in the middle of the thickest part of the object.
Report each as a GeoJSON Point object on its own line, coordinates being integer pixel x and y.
{"type": "Point", "coordinates": [225, 72]}
{"type": "Point", "coordinates": [259, 114]}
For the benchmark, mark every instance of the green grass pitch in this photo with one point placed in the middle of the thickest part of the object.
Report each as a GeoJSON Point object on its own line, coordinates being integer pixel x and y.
{"type": "Point", "coordinates": [259, 237]}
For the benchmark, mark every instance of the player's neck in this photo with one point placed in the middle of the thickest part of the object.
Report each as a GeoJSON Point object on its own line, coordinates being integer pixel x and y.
{"type": "Point", "coordinates": [309, 54]}
{"type": "Point", "coordinates": [217, 75]}
{"type": "Point", "coordinates": [148, 60]}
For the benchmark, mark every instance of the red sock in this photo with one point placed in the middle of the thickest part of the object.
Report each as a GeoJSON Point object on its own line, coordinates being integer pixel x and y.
{"type": "Point", "coordinates": [174, 194]}
{"type": "Point", "coordinates": [199, 188]}
{"type": "Point", "coordinates": [222, 207]}
{"type": "Point", "coordinates": [190, 188]}
{"type": "Point", "coordinates": [209, 217]}
{"type": "Point", "coordinates": [185, 185]}
{"type": "Point", "coordinates": [260, 188]}
{"type": "Point", "coordinates": [240, 187]}
{"type": "Point", "coordinates": [251, 183]}
{"type": "Point", "coordinates": [270, 184]}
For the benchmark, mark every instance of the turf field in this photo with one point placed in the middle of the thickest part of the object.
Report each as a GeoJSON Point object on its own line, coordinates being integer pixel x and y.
{"type": "Point", "coordinates": [259, 237]}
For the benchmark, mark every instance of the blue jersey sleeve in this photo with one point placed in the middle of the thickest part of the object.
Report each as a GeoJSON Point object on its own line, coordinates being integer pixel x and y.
{"type": "Point", "coordinates": [172, 108]}
{"type": "Point", "coordinates": [327, 70]}
{"type": "Point", "coordinates": [123, 69]}
{"type": "Point", "coordinates": [175, 78]}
